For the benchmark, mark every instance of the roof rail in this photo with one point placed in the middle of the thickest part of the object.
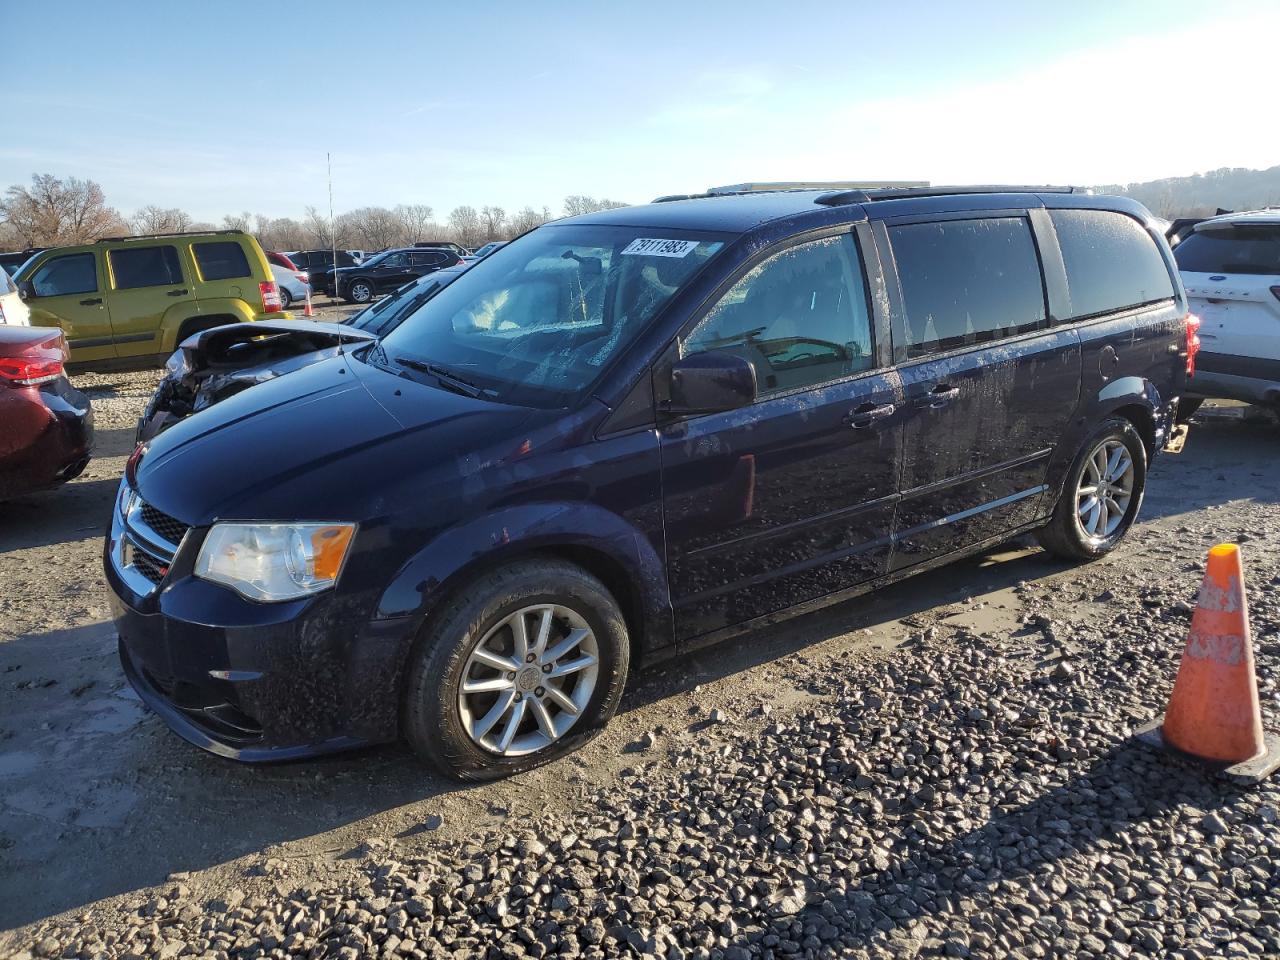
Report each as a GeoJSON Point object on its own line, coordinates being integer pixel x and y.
{"type": "Point", "coordinates": [173, 233]}
{"type": "Point", "coordinates": [787, 186]}
{"type": "Point", "coordinates": [784, 185]}
{"type": "Point", "coordinates": [892, 193]}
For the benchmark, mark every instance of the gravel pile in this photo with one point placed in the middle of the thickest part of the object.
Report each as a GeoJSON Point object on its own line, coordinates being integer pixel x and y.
{"type": "Point", "coordinates": [968, 795]}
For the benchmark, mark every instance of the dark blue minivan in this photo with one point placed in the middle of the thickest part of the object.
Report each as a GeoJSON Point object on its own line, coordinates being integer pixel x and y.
{"type": "Point", "coordinates": [631, 433]}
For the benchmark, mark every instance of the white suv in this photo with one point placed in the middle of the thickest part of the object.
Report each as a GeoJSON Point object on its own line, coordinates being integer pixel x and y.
{"type": "Point", "coordinates": [12, 310]}
{"type": "Point", "coordinates": [1231, 268]}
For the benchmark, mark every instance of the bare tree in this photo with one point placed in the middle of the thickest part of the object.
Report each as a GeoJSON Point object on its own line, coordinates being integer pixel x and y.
{"type": "Point", "coordinates": [467, 227]}
{"type": "Point", "coordinates": [578, 204]}
{"type": "Point", "coordinates": [153, 219]}
{"type": "Point", "coordinates": [282, 233]}
{"type": "Point", "coordinates": [494, 220]}
{"type": "Point", "coordinates": [526, 220]}
{"type": "Point", "coordinates": [417, 221]}
{"type": "Point", "coordinates": [242, 222]}
{"type": "Point", "coordinates": [55, 212]}
{"type": "Point", "coordinates": [377, 227]}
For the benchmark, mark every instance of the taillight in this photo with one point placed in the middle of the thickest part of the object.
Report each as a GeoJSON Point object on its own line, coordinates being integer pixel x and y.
{"type": "Point", "coordinates": [270, 296]}
{"type": "Point", "coordinates": [304, 277]}
{"type": "Point", "coordinates": [29, 371]}
{"type": "Point", "coordinates": [1193, 342]}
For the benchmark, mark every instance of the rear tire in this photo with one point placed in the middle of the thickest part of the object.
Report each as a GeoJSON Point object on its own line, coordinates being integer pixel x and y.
{"type": "Point", "coordinates": [286, 298]}
{"type": "Point", "coordinates": [464, 734]}
{"type": "Point", "coordinates": [1100, 498]}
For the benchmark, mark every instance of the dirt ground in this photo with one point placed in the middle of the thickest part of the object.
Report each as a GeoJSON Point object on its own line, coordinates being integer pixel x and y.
{"type": "Point", "coordinates": [99, 801]}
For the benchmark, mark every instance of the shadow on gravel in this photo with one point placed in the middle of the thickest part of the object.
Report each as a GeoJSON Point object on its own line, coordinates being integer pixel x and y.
{"type": "Point", "coordinates": [1127, 793]}
{"type": "Point", "coordinates": [1220, 464]}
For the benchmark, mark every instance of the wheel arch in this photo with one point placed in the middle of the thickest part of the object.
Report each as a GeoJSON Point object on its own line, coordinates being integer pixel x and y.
{"type": "Point", "coordinates": [596, 540]}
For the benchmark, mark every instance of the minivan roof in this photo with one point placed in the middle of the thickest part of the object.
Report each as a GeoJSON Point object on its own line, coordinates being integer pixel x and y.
{"type": "Point", "coordinates": [738, 213]}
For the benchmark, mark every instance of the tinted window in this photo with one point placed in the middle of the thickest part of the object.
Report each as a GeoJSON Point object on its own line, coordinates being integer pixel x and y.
{"type": "Point", "coordinates": [73, 273]}
{"type": "Point", "coordinates": [145, 267]}
{"type": "Point", "coordinates": [224, 260]}
{"type": "Point", "coordinates": [967, 282]}
{"type": "Point", "coordinates": [800, 317]}
{"type": "Point", "coordinates": [1252, 249]}
{"type": "Point", "coordinates": [394, 260]}
{"type": "Point", "coordinates": [427, 259]}
{"type": "Point", "coordinates": [1111, 261]}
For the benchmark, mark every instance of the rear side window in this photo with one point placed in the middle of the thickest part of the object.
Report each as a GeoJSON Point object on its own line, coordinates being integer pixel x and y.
{"type": "Point", "coordinates": [1112, 262]}
{"type": "Point", "coordinates": [133, 267]}
{"type": "Point", "coordinates": [800, 317]}
{"type": "Point", "coordinates": [1247, 249]}
{"type": "Point", "coordinates": [59, 276]}
{"type": "Point", "coordinates": [224, 260]}
{"type": "Point", "coordinates": [967, 281]}
{"type": "Point", "coordinates": [427, 259]}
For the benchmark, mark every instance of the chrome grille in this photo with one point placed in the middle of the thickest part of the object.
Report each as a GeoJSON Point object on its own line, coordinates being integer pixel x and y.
{"type": "Point", "coordinates": [170, 529]}
{"type": "Point", "coordinates": [153, 568]}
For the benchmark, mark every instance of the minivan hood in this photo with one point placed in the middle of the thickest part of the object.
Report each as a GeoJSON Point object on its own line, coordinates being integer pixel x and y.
{"type": "Point", "coordinates": [318, 444]}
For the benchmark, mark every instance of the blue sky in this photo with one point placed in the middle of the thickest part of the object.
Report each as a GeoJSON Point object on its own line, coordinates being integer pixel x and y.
{"type": "Point", "coordinates": [230, 106]}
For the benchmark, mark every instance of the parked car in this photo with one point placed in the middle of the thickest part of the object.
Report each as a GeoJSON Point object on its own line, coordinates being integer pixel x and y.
{"type": "Point", "coordinates": [319, 266]}
{"type": "Point", "coordinates": [457, 248]}
{"type": "Point", "coordinates": [13, 311]}
{"type": "Point", "coordinates": [46, 425]}
{"type": "Point", "coordinates": [388, 270]}
{"type": "Point", "coordinates": [10, 262]}
{"type": "Point", "coordinates": [481, 252]}
{"type": "Point", "coordinates": [631, 434]}
{"type": "Point", "coordinates": [216, 364]}
{"type": "Point", "coordinates": [130, 302]}
{"type": "Point", "coordinates": [1231, 268]}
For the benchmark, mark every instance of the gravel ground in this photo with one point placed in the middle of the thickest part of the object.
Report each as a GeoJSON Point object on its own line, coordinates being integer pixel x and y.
{"type": "Point", "coordinates": [942, 770]}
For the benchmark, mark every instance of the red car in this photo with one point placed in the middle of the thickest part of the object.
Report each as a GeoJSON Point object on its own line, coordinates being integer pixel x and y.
{"type": "Point", "coordinates": [46, 425]}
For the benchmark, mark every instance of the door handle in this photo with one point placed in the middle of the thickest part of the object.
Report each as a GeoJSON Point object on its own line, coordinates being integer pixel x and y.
{"type": "Point", "coordinates": [177, 293]}
{"type": "Point", "coordinates": [868, 413]}
{"type": "Point", "coordinates": [939, 396]}
{"type": "Point", "coordinates": [90, 302]}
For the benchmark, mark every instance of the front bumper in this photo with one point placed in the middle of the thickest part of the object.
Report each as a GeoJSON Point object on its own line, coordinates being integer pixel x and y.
{"type": "Point", "coordinates": [252, 681]}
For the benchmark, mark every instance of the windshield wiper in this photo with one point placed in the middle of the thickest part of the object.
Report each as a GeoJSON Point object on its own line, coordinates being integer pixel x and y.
{"type": "Point", "coordinates": [447, 379]}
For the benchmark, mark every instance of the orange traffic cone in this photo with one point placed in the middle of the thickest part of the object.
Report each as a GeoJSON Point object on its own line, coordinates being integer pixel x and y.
{"type": "Point", "coordinates": [1213, 714]}
{"type": "Point", "coordinates": [306, 310]}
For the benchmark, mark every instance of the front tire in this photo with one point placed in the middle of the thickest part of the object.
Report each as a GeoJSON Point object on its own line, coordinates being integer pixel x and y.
{"type": "Point", "coordinates": [524, 666]}
{"type": "Point", "coordinates": [1102, 494]}
{"type": "Point", "coordinates": [360, 291]}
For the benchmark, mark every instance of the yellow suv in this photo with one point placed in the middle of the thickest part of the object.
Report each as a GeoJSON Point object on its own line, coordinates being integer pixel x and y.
{"type": "Point", "coordinates": [131, 301]}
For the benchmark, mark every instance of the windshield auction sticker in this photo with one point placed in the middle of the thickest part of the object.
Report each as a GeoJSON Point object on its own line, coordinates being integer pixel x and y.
{"type": "Point", "coordinates": [646, 247]}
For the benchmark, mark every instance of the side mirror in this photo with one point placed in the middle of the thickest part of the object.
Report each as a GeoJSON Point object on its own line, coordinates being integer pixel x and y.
{"type": "Point", "coordinates": [26, 290]}
{"type": "Point", "coordinates": [711, 382]}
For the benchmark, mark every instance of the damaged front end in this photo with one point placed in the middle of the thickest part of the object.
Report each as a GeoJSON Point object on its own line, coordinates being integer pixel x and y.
{"type": "Point", "coordinates": [210, 366]}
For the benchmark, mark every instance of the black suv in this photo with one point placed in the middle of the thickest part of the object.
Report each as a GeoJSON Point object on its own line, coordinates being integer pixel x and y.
{"type": "Point", "coordinates": [632, 433]}
{"type": "Point", "coordinates": [387, 271]}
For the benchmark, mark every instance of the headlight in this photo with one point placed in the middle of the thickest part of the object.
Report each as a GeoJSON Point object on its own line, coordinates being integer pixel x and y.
{"type": "Point", "coordinates": [177, 366]}
{"type": "Point", "coordinates": [275, 561]}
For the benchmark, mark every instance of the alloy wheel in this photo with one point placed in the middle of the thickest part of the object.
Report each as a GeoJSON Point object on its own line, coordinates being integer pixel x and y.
{"type": "Point", "coordinates": [528, 680]}
{"type": "Point", "coordinates": [361, 293]}
{"type": "Point", "coordinates": [1105, 489]}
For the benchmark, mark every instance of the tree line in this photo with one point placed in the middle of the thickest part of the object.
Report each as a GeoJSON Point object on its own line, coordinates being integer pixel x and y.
{"type": "Point", "coordinates": [54, 212]}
